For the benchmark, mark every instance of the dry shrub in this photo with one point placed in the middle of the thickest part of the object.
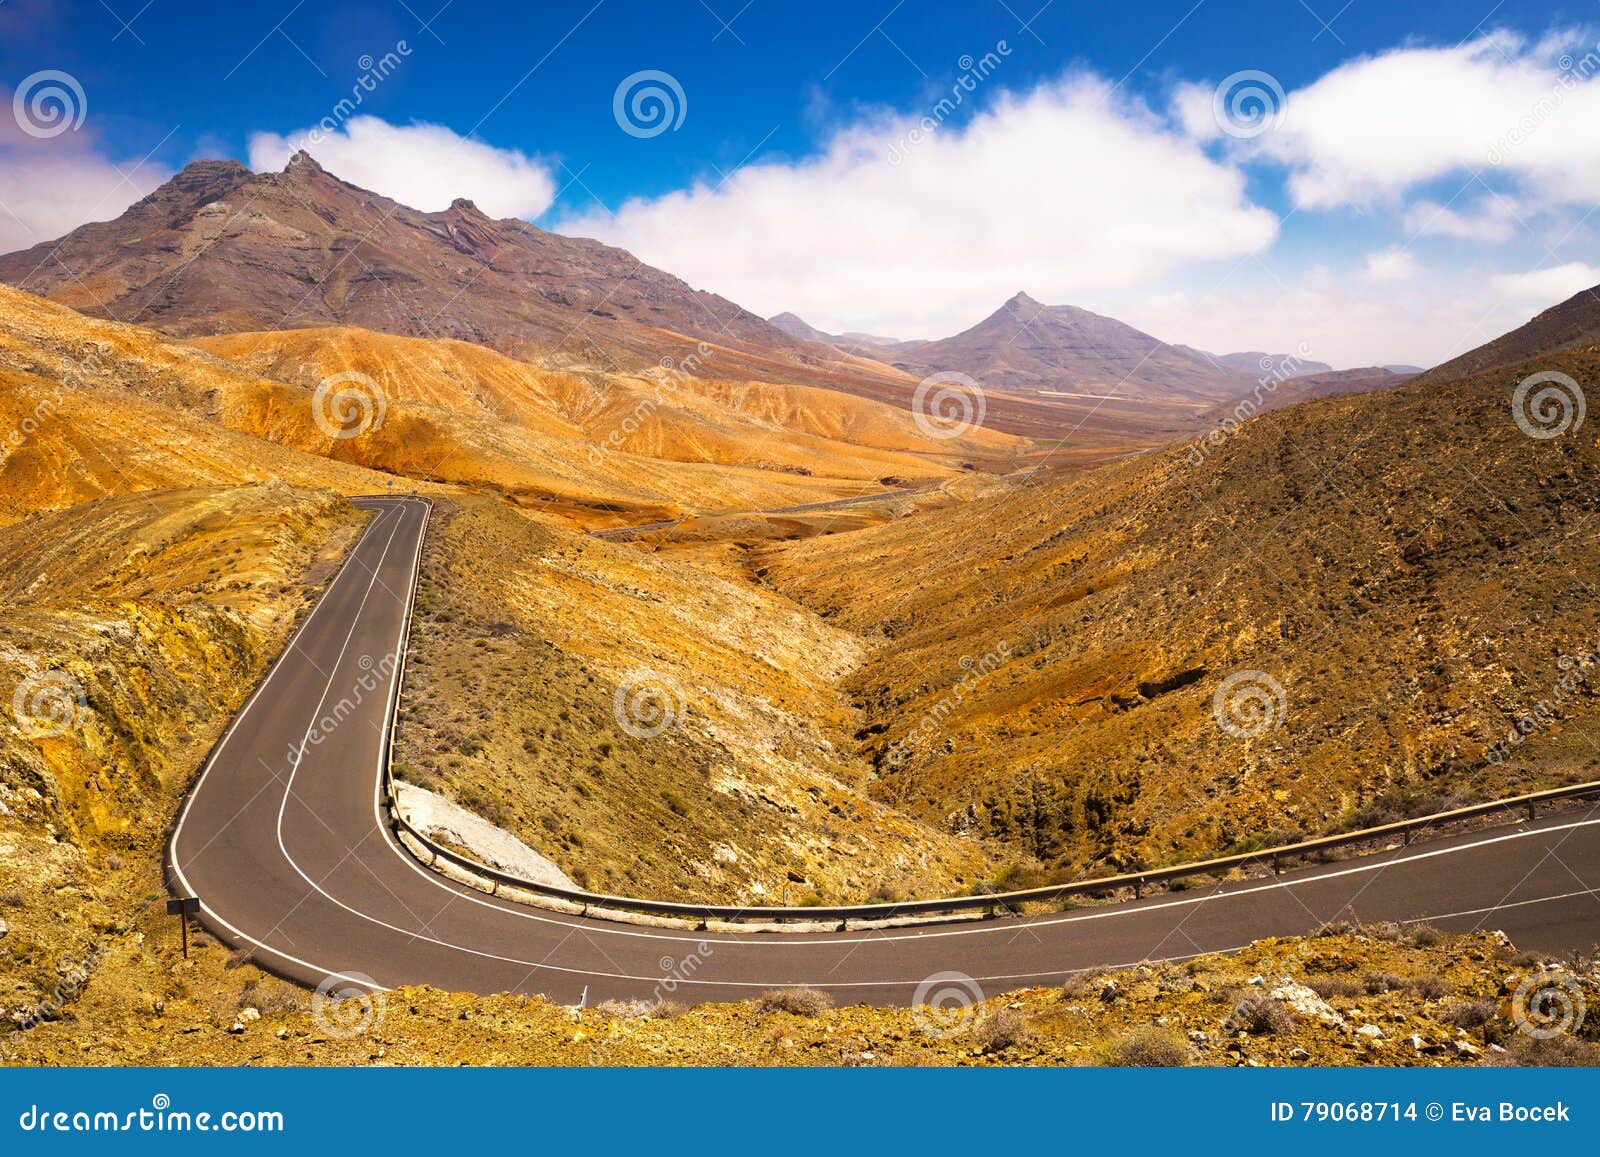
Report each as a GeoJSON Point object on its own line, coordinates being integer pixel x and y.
{"type": "Point", "coordinates": [1468, 1014]}
{"type": "Point", "coordinates": [1262, 1016]}
{"type": "Point", "coordinates": [1553, 1052]}
{"type": "Point", "coordinates": [795, 1001]}
{"type": "Point", "coordinates": [1151, 1047]}
{"type": "Point", "coordinates": [1329, 987]}
{"type": "Point", "coordinates": [1381, 982]}
{"type": "Point", "coordinates": [1005, 1029]}
{"type": "Point", "coordinates": [1428, 987]}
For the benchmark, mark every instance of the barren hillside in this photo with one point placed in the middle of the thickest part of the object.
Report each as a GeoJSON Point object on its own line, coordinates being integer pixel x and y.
{"type": "Point", "coordinates": [652, 728]}
{"type": "Point", "coordinates": [1342, 610]}
{"type": "Point", "coordinates": [131, 629]}
{"type": "Point", "coordinates": [572, 448]}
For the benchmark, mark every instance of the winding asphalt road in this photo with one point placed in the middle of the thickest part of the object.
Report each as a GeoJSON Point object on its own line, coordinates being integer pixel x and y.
{"type": "Point", "coordinates": [283, 842]}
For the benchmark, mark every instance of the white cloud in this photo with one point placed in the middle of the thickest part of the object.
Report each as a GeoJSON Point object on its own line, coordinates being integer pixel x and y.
{"type": "Point", "coordinates": [1391, 265]}
{"type": "Point", "coordinates": [1492, 219]}
{"type": "Point", "coordinates": [1378, 126]}
{"type": "Point", "coordinates": [421, 165]}
{"type": "Point", "coordinates": [1063, 191]}
{"type": "Point", "coordinates": [48, 187]}
{"type": "Point", "coordinates": [1541, 288]}
{"type": "Point", "coordinates": [1345, 321]}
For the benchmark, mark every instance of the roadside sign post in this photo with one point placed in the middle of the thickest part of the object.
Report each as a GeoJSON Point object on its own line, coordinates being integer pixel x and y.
{"type": "Point", "coordinates": [183, 908]}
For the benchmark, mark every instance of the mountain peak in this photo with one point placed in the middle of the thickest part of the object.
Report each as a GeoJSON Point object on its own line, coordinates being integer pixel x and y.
{"type": "Point", "coordinates": [426, 274]}
{"type": "Point", "coordinates": [196, 185]}
{"type": "Point", "coordinates": [1027, 346]}
{"type": "Point", "coordinates": [210, 170]}
{"type": "Point", "coordinates": [796, 326]}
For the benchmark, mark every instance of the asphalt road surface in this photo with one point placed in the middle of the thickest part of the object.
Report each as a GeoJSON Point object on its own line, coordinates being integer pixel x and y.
{"type": "Point", "coordinates": [282, 841]}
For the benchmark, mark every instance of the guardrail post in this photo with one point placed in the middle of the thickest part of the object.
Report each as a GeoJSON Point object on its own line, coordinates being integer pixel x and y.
{"type": "Point", "coordinates": [1533, 809]}
{"type": "Point", "coordinates": [1277, 866]}
{"type": "Point", "coordinates": [1138, 888]}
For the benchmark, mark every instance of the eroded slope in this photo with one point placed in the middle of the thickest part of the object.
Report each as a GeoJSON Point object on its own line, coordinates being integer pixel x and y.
{"type": "Point", "coordinates": [131, 629]}
{"type": "Point", "coordinates": [1340, 611]}
{"type": "Point", "coordinates": [652, 728]}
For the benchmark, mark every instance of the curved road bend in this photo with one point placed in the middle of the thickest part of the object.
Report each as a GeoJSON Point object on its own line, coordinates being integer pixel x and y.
{"type": "Point", "coordinates": [291, 859]}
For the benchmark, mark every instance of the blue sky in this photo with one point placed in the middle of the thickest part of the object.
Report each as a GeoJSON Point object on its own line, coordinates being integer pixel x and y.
{"type": "Point", "coordinates": [776, 188]}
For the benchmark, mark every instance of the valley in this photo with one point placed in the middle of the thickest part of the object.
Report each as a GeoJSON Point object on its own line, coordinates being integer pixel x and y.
{"type": "Point", "coordinates": [1138, 604]}
{"type": "Point", "coordinates": [1070, 640]}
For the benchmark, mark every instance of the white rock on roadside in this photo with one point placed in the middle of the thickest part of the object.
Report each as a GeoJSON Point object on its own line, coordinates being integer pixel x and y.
{"type": "Point", "coordinates": [1305, 1002]}
{"type": "Point", "coordinates": [442, 820]}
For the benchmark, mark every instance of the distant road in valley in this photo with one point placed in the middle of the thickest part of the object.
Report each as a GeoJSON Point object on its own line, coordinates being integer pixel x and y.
{"type": "Point", "coordinates": [803, 508]}
{"type": "Point", "coordinates": [284, 840]}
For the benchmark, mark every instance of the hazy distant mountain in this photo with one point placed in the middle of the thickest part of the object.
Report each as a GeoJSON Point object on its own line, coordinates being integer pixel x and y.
{"type": "Point", "coordinates": [1028, 346]}
{"type": "Point", "coordinates": [1255, 362]}
{"type": "Point", "coordinates": [796, 326]}
{"type": "Point", "coordinates": [1573, 324]}
{"type": "Point", "coordinates": [1403, 369]}
{"type": "Point", "coordinates": [872, 339]}
{"type": "Point", "coordinates": [1304, 387]}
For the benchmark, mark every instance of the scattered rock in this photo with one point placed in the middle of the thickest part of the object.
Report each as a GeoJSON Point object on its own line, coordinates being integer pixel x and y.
{"type": "Point", "coordinates": [1305, 1002]}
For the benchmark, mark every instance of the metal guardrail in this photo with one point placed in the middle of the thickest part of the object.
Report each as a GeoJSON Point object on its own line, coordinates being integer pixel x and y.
{"type": "Point", "coordinates": [599, 903]}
